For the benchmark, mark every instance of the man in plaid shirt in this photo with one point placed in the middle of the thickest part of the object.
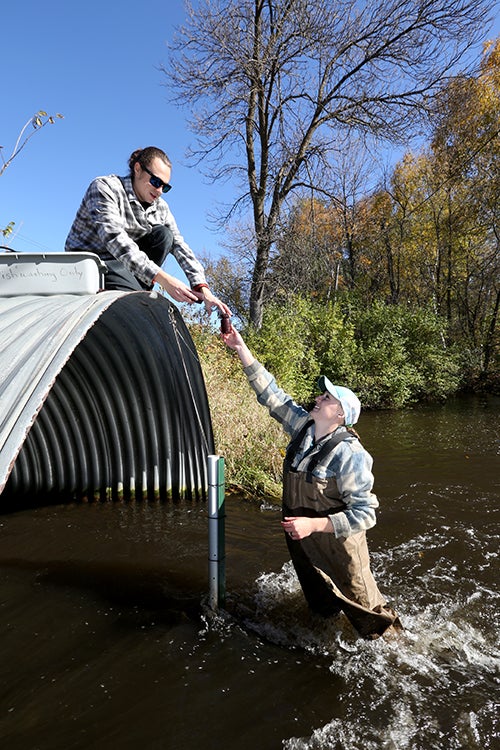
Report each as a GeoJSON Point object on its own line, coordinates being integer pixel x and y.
{"type": "Point", "coordinates": [130, 227]}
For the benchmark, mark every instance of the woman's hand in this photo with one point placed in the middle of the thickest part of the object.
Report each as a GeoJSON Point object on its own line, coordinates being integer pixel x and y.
{"type": "Point", "coordinates": [234, 340]}
{"type": "Point", "coordinates": [300, 527]}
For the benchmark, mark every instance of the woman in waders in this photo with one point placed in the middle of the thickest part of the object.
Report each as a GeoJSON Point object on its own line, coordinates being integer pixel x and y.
{"type": "Point", "coordinates": [328, 503]}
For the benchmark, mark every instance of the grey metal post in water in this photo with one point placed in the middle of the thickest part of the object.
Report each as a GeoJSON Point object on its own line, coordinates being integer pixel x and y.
{"type": "Point", "coordinates": [216, 532]}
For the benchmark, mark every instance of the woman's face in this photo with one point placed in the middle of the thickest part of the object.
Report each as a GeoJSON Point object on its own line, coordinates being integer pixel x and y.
{"type": "Point", "coordinates": [328, 409]}
{"type": "Point", "coordinates": [143, 188]}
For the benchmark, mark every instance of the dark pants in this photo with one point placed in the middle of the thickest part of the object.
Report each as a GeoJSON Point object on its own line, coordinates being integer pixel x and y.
{"type": "Point", "coordinates": [156, 244]}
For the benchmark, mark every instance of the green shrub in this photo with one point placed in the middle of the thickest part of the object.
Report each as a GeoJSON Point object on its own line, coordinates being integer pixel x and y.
{"type": "Point", "coordinates": [402, 356]}
{"type": "Point", "coordinates": [285, 348]}
{"type": "Point", "coordinates": [389, 355]}
{"type": "Point", "coordinates": [335, 344]}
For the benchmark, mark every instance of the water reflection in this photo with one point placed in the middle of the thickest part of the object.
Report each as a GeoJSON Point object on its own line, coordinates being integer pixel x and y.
{"type": "Point", "coordinates": [107, 641]}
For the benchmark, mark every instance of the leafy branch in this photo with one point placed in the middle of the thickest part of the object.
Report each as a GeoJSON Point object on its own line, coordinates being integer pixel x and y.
{"type": "Point", "coordinates": [39, 120]}
{"type": "Point", "coordinates": [8, 229]}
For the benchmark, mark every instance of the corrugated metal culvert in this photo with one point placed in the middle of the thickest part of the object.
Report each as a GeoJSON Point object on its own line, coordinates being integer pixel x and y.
{"type": "Point", "coordinates": [100, 396]}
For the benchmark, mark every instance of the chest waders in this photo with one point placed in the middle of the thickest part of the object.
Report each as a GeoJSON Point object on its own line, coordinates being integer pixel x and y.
{"type": "Point", "coordinates": [334, 572]}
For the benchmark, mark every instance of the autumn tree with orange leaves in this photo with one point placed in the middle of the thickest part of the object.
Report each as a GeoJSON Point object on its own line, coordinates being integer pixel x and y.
{"type": "Point", "coordinates": [276, 90]}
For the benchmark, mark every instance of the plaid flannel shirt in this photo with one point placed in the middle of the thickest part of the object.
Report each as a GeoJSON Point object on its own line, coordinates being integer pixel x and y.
{"type": "Point", "coordinates": [348, 461]}
{"type": "Point", "coordinates": [111, 219]}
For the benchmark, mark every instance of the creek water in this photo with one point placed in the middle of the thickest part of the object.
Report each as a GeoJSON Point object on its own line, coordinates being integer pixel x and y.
{"type": "Point", "coordinates": [106, 639]}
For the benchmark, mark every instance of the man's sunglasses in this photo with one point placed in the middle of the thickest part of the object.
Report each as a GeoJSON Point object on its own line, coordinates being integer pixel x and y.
{"type": "Point", "coordinates": [156, 182]}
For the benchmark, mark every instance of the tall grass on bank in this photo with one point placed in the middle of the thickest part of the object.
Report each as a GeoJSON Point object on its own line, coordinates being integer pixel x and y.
{"type": "Point", "coordinates": [251, 443]}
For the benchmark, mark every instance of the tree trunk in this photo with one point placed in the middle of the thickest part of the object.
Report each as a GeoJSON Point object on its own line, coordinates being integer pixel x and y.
{"type": "Point", "coordinates": [257, 288]}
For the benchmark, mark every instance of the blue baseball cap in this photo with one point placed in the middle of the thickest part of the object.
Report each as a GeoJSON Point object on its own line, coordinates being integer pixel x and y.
{"type": "Point", "coordinates": [351, 405]}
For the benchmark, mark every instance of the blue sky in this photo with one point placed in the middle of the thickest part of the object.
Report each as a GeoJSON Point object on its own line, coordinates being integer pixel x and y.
{"type": "Point", "coordinates": [97, 64]}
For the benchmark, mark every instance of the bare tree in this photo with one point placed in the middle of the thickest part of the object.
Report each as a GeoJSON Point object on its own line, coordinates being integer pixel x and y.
{"type": "Point", "coordinates": [275, 86]}
{"type": "Point", "coordinates": [319, 242]}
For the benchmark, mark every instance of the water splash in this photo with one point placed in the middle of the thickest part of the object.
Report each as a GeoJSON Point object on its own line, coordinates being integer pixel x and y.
{"type": "Point", "coordinates": [449, 648]}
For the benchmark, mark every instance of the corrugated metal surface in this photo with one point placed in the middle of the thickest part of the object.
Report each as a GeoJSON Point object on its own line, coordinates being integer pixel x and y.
{"type": "Point", "coordinates": [100, 395]}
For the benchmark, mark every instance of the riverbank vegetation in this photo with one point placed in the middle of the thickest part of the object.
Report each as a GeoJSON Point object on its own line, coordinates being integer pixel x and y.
{"type": "Point", "coordinates": [387, 284]}
{"type": "Point", "coordinates": [411, 265]}
{"type": "Point", "coordinates": [250, 441]}
{"type": "Point", "coordinates": [392, 356]}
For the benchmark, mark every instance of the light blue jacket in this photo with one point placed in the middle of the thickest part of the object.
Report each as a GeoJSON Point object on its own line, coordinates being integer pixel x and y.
{"type": "Point", "coordinates": [348, 461]}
